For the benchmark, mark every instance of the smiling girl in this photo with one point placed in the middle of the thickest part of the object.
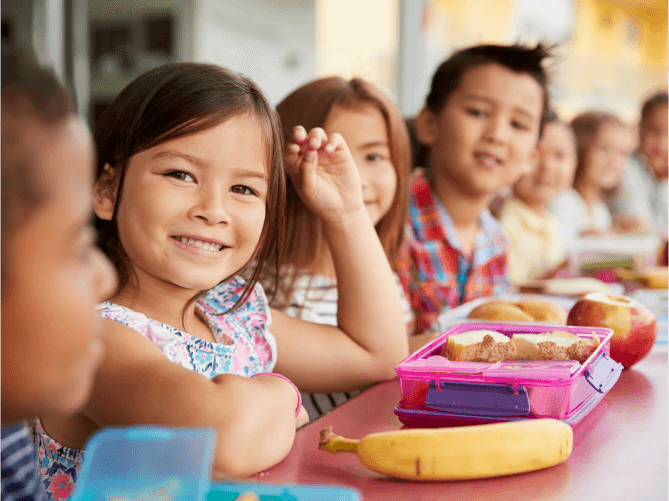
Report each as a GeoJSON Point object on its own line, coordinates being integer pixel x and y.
{"type": "Point", "coordinates": [189, 199]}
{"type": "Point", "coordinates": [376, 134]}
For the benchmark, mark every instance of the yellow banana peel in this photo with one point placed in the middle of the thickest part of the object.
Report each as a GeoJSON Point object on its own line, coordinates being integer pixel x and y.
{"type": "Point", "coordinates": [459, 453]}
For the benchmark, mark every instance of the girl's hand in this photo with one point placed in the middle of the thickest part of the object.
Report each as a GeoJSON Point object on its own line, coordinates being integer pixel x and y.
{"type": "Point", "coordinates": [324, 173]}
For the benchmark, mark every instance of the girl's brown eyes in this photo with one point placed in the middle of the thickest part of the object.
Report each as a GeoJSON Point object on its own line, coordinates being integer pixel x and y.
{"type": "Point", "coordinates": [180, 175]}
{"type": "Point", "coordinates": [242, 190]}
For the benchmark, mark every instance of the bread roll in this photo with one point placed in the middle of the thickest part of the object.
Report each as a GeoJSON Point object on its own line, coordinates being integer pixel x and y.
{"type": "Point", "coordinates": [528, 309]}
{"type": "Point", "coordinates": [500, 310]}
{"type": "Point", "coordinates": [542, 310]}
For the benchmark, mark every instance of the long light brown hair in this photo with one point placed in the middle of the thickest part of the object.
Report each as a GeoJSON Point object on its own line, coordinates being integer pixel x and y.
{"type": "Point", "coordinates": [309, 106]}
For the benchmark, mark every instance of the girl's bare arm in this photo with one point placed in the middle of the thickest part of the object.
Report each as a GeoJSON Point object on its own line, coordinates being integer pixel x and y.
{"type": "Point", "coordinates": [254, 418]}
{"type": "Point", "coordinates": [371, 337]}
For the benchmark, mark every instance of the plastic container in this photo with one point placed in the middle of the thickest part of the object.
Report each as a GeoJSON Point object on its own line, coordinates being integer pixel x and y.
{"type": "Point", "coordinates": [282, 492]}
{"type": "Point", "coordinates": [150, 463]}
{"type": "Point", "coordinates": [438, 392]}
{"type": "Point", "coordinates": [146, 463]}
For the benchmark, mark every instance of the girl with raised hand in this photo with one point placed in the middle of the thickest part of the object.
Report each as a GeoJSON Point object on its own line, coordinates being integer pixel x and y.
{"type": "Point", "coordinates": [189, 199]}
{"type": "Point", "coordinates": [377, 137]}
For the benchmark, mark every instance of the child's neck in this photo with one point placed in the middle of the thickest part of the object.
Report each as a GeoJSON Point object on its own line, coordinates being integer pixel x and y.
{"type": "Point", "coordinates": [590, 193]}
{"type": "Point", "coordinates": [160, 304]}
{"type": "Point", "coordinates": [539, 208]}
{"type": "Point", "coordinates": [464, 210]}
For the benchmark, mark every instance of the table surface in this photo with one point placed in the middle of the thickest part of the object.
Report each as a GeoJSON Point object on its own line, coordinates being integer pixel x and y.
{"type": "Point", "coordinates": [620, 449]}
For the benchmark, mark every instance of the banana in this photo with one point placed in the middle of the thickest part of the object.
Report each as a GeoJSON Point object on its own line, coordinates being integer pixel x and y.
{"type": "Point", "coordinates": [459, 453]}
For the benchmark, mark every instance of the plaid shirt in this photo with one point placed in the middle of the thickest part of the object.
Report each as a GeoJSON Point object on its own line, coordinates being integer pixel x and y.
{"type": "Point", "coordinates": [432, 267]}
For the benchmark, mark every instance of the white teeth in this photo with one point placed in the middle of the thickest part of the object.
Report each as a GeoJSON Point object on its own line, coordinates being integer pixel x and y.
{"type": "Point", "coordinates": [199, 243]}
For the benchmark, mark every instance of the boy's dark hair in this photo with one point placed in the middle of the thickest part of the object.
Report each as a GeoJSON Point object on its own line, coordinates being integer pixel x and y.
{"type": "Point", "coordinates": [173, 101]}
{"type": "Point", "coordinates": [30, 95]}
{"type": "Point", "coordinates": [657, 99]}
{"type": "Point", "coordinates": [518, 58]}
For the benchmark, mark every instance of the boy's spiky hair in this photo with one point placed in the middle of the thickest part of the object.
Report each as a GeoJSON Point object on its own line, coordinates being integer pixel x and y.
{"type": "Point", "coordinates": [518, 58]}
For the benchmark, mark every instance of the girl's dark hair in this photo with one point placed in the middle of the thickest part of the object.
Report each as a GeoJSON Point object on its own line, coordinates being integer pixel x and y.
{"type": "Point", "coordinates": [310, 106]}
{"type": "Point", "coordinates": [585, 127]}
{"type": "Point", "coordinates": [30, 95]}
{"type": "Point", "coordinates": [177, 100]}
{"type": "Point", "coordinates": [657, 99]}
{"type": "Point", "coordinates": [518, 58]}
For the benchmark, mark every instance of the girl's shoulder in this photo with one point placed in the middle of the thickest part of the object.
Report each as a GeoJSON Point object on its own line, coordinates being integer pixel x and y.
{"type": "Point", "coordinates": [122, 314]}
{"type": "Point", "coordinates": [221, 298]}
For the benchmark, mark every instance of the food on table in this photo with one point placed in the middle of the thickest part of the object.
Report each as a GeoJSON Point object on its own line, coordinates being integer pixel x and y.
{"type": "Point", "coordinates": [500, 310]}
{"type": "Point", "coordinates": [459, 453]}
{"type": "Point", "coordinates": [492, 346]}
{"type": "Point", "coordinates": [576, 286]}
{"type": "Point", "coordinates": [556, 345]}
{"type": "Point", "coordinates": [542, 310]}
{"type": "Point", "coordinates": [656, 277]}
{"type": "Point", "coordinates": [479, 346]}
{"type": "Point", "coordinates": [528, 309]}
{"type": "Point", "coordinates": [634, 326]}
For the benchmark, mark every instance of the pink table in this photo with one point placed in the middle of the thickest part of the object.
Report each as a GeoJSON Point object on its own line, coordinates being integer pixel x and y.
{"type": "Point", "coordinates": [620, 450]}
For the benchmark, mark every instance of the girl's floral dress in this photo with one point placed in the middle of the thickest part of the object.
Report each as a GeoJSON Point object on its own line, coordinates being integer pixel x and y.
{"type": "Point", "coordinates": [244, 346]}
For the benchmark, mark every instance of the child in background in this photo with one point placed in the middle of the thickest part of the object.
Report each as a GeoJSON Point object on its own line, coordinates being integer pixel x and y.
{"type": "Point", "coordinates": [189, 199]}
{"type": "Point", "coordinates": [481, 123]}
{"type": "Point", "coordinates": [535, 244]}
{"type": "Point", "coordinates": [643, 189]}
{"type": "Point", "coordinates": [376, 134]}
{"type": "Point", "coordinates": [602, 149]}
{"type": "Point", "coordinates": [52, 273]}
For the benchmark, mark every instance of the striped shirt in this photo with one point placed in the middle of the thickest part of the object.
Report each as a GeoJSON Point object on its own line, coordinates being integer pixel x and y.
{"type": "Point", "coordinates": [315, 299]}
{"type": "Point", "coordinates": [20, 480]}
{"type": "Point", "coordinates": [434, 270]}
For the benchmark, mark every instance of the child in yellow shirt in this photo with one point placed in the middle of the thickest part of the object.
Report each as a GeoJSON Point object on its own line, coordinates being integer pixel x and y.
{"type": "Point", "coordinates": [535, 242]}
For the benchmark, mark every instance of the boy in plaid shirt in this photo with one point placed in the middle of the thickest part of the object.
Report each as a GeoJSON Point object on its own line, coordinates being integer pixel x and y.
{"type": "Point", "coordinates": [481, 125]}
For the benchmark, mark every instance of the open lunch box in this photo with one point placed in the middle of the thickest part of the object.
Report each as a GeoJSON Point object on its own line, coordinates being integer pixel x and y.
{"type": "Point", "coordinates": [440, 392]}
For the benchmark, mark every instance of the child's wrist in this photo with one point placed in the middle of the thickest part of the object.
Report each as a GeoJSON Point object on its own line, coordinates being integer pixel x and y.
{"type": "Point", "coordinates": [347, 220]}
{"type": "Point", "coordinates": [299, 395]}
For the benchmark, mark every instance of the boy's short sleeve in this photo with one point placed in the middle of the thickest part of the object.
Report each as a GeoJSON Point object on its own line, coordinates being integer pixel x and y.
{"type": "Point", "coordinates": [20, 477]}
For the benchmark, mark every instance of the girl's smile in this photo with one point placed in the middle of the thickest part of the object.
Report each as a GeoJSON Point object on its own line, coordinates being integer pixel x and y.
{"type": "Point", "coordinates": [200, 246]}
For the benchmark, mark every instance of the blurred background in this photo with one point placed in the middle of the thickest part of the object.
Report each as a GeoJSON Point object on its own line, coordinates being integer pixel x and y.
{"type": "Point", "coordinates": [612, 53]}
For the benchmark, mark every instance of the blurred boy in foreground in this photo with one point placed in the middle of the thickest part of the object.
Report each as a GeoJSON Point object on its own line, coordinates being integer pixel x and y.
{"type": "Point", "coordinates": [53, 276]}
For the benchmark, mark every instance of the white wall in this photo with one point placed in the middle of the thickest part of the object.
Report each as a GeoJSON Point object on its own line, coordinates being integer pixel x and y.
{"type": "Point", "coordinates": [270, 41]}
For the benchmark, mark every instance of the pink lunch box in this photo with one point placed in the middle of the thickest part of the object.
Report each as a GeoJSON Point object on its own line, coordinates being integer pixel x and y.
{"type": "Point", "coordinates": [439, 392]}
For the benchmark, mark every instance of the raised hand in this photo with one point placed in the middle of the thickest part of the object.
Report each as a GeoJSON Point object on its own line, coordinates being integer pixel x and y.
{"type": "Point", "coordinates": [324, 173]}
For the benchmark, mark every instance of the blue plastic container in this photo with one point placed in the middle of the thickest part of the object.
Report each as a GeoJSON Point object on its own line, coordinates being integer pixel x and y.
{"type": "Point", "coordinates": [146, 463]}
{"type": "Point", "coordinates": [282, 492]}
{"type": "Point", "coordinates": [149, 463]}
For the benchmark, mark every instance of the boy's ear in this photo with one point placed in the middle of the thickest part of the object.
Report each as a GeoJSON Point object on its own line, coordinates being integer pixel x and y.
{"type": "Point", "coordinates": [425, 126]}
{"type": "Point", "coordinates": [104, 195]}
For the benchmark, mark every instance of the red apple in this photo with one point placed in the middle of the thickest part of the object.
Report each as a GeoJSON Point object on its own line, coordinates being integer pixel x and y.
{"type": "Point", "coordinates": [634, 326]}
